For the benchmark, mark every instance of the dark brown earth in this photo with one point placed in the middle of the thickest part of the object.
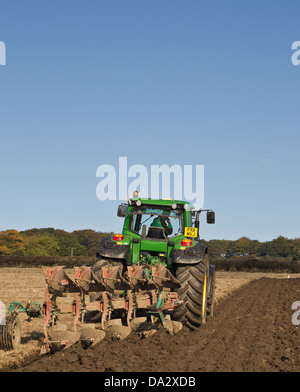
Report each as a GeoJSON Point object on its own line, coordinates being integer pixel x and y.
{"type": "Point", "coordinates": [251, 331]}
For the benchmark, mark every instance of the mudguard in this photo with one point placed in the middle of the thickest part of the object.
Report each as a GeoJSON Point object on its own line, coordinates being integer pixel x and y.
{"type": "Point", "coordinates": [109, 248]}
{"type": "Point", "coordinates": [189, 255]}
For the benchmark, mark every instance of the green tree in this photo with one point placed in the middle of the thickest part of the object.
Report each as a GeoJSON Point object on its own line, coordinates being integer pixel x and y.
{"type": "Point", "coordinates": [242, 246]}
{"type": "Point", "coordinates": [280, 247]}
{"type": "Point", "coordinates": [43, 244]}
{"type": "Point", "coordinates": [89, 239]}
{"type": "Point", "coordinates": [295, 245]}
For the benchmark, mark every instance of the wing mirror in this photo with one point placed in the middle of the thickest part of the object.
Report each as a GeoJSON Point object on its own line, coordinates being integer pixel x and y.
{"type": "Point", "coordinates": [210, 217]}
{"type": "Point", "coordinates": [122, 208]}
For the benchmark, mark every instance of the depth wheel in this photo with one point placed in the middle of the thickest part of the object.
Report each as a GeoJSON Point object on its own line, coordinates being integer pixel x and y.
{"type": "Point", "coordinates": [194, 281]}
{"type": "Point", "coordinates": [10, 333]}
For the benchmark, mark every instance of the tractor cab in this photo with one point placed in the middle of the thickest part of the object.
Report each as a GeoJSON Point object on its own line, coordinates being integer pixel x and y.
{"type": "Point", "coordinates": [161, 219]}
{"type": "Point", "coordinates": [159, 230]}
{"type": "Point", "coordinates": [155, 222]}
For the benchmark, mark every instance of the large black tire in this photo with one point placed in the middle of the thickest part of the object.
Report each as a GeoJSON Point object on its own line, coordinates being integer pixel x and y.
{"type": "Point", "coordinates": [120, 283]}
{"type": "Point", "coordinates": [194, 292]}
{"type": "Point", "coordinates": [10, 333]}
{"type": "Point", "coordinates": [97, 267]}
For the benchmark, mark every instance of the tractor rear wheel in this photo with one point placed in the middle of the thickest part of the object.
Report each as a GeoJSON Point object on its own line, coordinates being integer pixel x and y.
{"type": "Point", "coordinates": [194, 281]}
{"type": "Point", "coordinates": [97, 267]}
{"type": "Point", "coordinates": [10, 333]}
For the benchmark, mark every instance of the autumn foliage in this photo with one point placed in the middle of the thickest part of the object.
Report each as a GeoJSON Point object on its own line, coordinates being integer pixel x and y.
{"type": "Point", "coordinates": [50, 242]}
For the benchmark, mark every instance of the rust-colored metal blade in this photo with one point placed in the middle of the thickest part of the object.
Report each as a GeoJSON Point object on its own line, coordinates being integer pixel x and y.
{"type": "Point", "coordinates": [58, 281]}
{"type": "Point", "coordinates": [139, 279]}
{"type": "Point", "coordinates": [163, 277]}
{"type": "Point", "coordinates": [113, 280]}
{"type": "Point", "coordinates": [85, 280]}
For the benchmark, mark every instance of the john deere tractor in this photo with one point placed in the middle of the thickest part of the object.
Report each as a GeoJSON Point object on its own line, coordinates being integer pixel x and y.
{"type": "Point", "coordinates": [160, 239]}
{"type": "Point", "coordinates": [157, 267]}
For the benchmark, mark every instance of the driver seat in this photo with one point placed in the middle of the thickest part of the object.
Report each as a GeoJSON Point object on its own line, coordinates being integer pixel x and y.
{"type": "Point", "coordinates": [156, 232]}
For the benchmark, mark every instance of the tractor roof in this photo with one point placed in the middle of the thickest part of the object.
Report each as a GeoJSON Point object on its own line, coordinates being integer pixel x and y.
{"type": "Point", "coordinates": [163, 202]}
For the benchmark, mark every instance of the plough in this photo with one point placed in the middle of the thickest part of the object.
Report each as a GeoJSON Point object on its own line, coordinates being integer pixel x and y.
{"type": "Point", "coordinates": [118, 305]}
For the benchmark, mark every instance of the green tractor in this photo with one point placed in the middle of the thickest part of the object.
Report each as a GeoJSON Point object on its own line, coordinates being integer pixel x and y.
{"type": "Point", "coordinates": [157, 267]}
{"type": "Point", "coordinates": [165, 234]}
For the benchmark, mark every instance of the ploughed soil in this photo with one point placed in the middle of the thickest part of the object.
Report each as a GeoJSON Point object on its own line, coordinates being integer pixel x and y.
{"type": "Point", "coordinates": [252, 330]}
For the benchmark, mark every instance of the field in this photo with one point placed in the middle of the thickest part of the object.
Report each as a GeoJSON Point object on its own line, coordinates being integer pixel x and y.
{"type": "Point", "coordinates": [252, 330]}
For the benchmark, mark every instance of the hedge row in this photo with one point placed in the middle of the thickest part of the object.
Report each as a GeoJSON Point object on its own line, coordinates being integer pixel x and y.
{"type": "Point", "coordinates": [245, 263]}
{"type": "Point", "coordinates": [252, 264]}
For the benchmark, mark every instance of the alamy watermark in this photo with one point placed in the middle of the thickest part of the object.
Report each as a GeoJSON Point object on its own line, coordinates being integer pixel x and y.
{"type": "Point", "coordinates": [296, 54]}
{"type": "Point", "coordinates": [296, 315]}
{"type": "Point", "coordinates": [2, 53]}
{"type": "Point", "coordinates": [160, 182]}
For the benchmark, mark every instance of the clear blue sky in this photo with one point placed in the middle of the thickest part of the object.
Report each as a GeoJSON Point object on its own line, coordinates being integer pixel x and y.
{"type": "Point", "coordinates": [162, 82]}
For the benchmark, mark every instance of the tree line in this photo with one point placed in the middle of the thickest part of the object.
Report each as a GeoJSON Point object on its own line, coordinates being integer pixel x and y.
{"type": "Point", "coordinates": [50, 242]}
{"type": "Point", "coordinates": [56, 242]}
{"type": "Point", "coordinates": [279, 247]}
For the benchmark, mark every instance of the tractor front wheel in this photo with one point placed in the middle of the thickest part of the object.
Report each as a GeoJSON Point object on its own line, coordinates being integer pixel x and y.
{"type": "Point", "coordinates": [194, 280]}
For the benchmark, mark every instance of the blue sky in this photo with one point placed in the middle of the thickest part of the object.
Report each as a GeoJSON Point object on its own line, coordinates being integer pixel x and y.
{"type": "Point", "coordinates": [160, 82]}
